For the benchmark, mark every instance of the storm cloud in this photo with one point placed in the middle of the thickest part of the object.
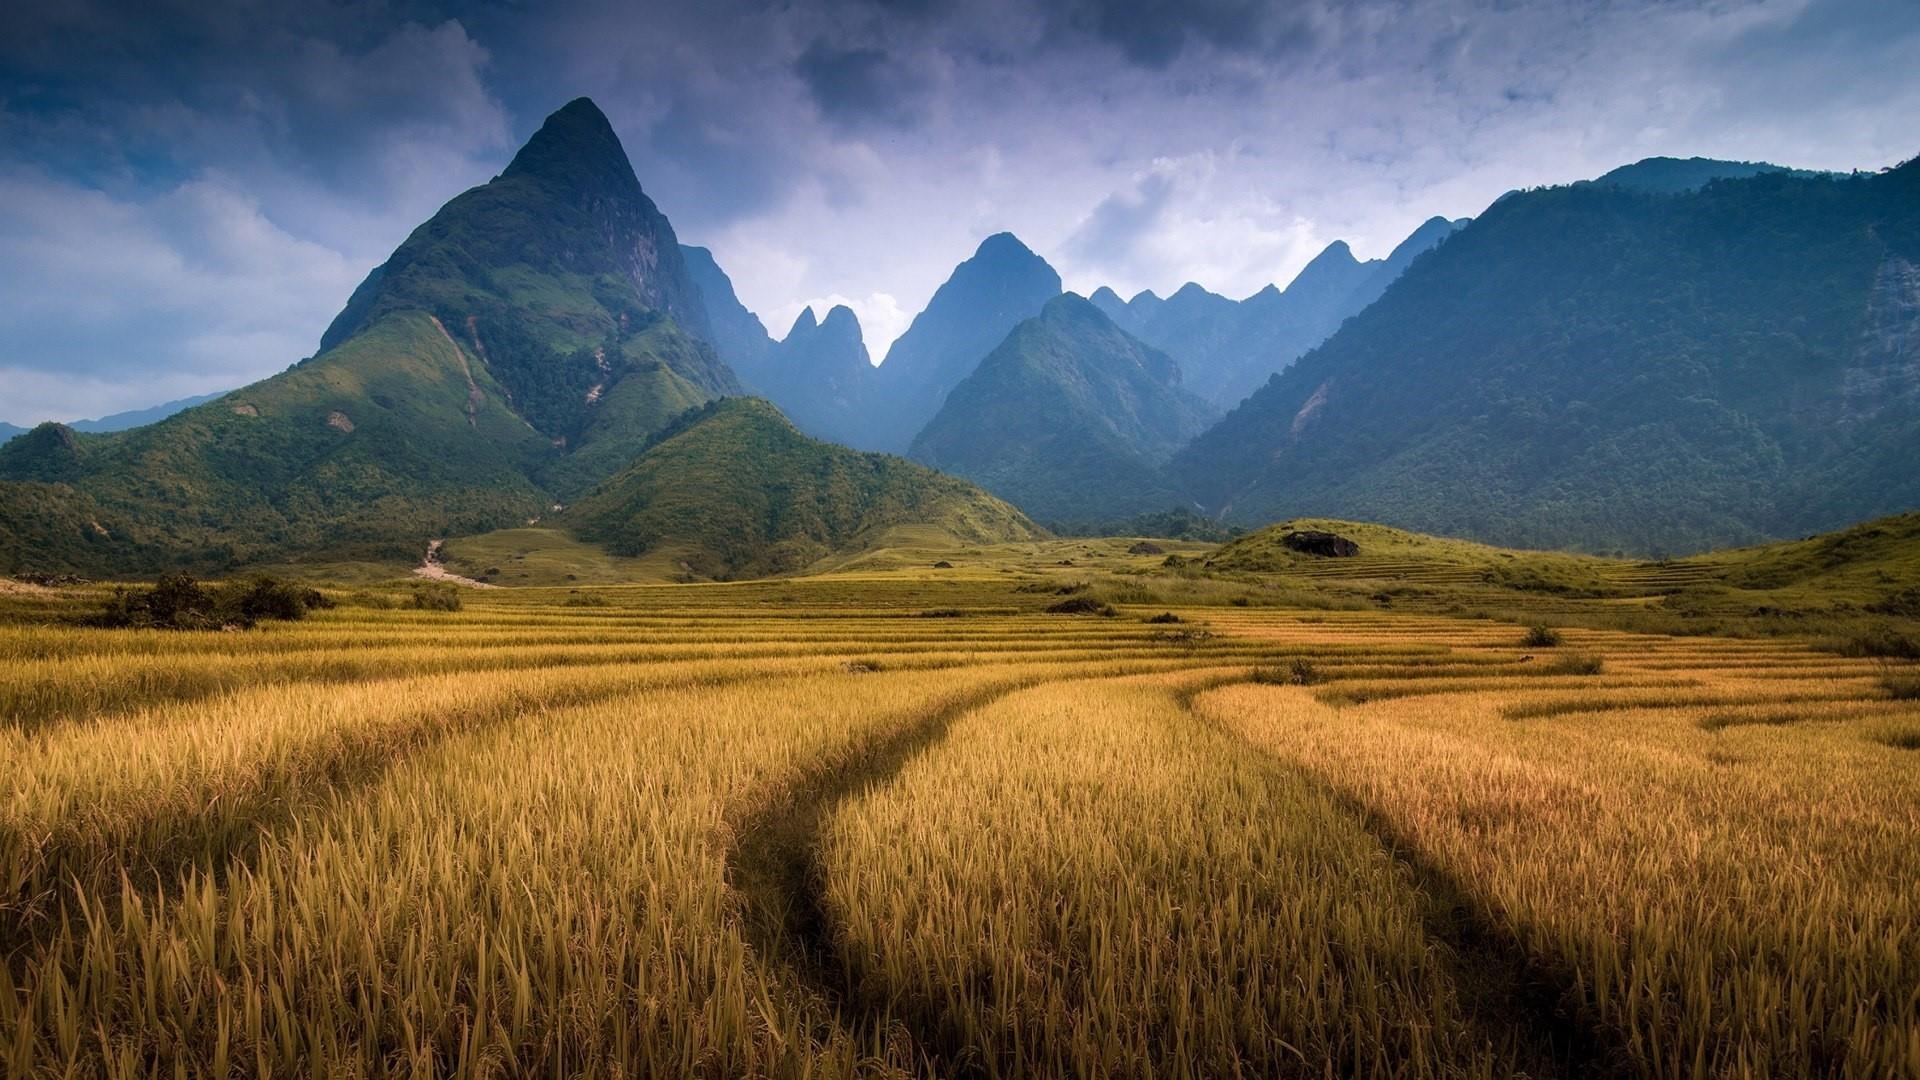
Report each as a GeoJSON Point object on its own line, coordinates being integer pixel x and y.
{"type": "Point", "coordinates": [189, 191]}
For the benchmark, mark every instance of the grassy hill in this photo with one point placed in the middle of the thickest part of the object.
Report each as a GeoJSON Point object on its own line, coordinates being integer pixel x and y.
{"type": "Point", "coordinates": [733, 489]}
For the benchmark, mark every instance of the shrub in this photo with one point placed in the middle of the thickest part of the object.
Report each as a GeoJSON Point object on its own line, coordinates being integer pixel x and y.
{"type": "Point", "coordinates": [1882, 641]}
{"type": "Point", "coordinates": [586, 600]}
{"type": "Point", "coordinates": [1295, 673]}
{"type": "Point", "coordinates": [1575, 664]}
{"type": "Point", "coordinates": [178, 602]}
{"type": "Point", "coordinates": [1540, 637]}
{"type": "Point", "coordinates": [438, 597]}
{"type": "Point", "coordinates": [1165, 617]}
{"type": "Point", "coordinates": [943, 565]}
{"type": "Point", "coordinates": [1901, 687]}
{"type": "Point", "coordinates": [943, 613]}
{"type": "Point", "coordinates": [1081, 605]}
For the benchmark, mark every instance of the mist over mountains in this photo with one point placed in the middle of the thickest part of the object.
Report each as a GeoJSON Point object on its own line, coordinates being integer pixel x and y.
{"type": "Point", "coordinates": [1678, 354]}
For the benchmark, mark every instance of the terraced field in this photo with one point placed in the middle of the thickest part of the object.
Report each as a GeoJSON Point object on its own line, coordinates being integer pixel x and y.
{"type": "Point", "coordinates": [902, 825]}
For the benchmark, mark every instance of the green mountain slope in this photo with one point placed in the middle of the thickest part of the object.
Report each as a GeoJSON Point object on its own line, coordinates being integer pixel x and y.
{"type": "Point", "coordinates": [516, 349]}
{"type": "Point", "coordinates": [1069, 418]}
{"type": "Point", "coordinates": [1609, 369]}
{"type": "Point", "coordinates": [1002, 284]}
{"type": "Point", "coordinates": [393, 437]}
{"type": "Point", "coordinates": [733, 489]}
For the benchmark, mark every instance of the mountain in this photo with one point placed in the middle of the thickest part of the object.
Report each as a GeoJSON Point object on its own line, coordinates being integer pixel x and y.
{"type": "Point", "coordinates": [121, 421]}
{"type": "Point", "coordinates": [734, 489]}
{"type": "Point", "coordinates": [1069, 418]}
{"type": "Point", "coordinates": [821, 376]}
{"type": "Point", "coordinates": [518, 347]}
{"type": "Point", "coordinates": [1678, 176]}
{"type": "Point", "coordinates": [1001, 285]}
{"type": "Point", "coordinates": [1227, 349]}
{"type": "Point", "coordinates": [1610, 369]}
{"type": "Point", "coordinates": [737, 334]}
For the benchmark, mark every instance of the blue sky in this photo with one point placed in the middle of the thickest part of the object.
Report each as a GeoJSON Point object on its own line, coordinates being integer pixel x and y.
{"type": "Point", "coordinates": [189, 191]}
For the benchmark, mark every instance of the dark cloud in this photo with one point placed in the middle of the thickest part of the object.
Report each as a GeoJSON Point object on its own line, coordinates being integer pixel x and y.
{"type": "Point", "coordinates": [189, 188]}
{"type": "Point", "coordinates": [1154, 33]}
{"type": "Point", "coordinates": [854, 87]}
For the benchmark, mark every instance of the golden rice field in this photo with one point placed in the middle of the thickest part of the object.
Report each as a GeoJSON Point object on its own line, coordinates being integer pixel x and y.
{"type": "Point", "coordinates": [805, 829]}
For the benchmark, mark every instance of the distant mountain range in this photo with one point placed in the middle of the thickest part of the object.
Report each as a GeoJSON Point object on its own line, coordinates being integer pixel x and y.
{"type": "Point", "coordinates": [1229, 349]}
{"type": "Point", "coordinates": [121, 421]}
{"type": "Point", "coordinates": [1678, 354]}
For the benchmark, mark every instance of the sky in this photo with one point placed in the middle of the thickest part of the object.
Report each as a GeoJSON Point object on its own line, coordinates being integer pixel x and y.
{"type": "Point", "coordinates": [190, 189]}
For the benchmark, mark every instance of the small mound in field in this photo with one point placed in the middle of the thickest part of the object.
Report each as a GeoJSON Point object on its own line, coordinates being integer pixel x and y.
{"type": "Point", "coordinates": [1164, 617]}
{"type": "Point", "coordinates": [1146, 547]}
{"type": "Point", "coordinates": [943, 565]}
{"type": "Point", "coordinates": [1080, 605]}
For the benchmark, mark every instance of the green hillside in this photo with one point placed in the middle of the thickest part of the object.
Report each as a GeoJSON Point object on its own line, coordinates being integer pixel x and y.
{"type": "Point", "coordinates": [1612, 370]}
{"type": "Point", "coordinates": [1069, 419]}
{"type": "Point", "coordinates": [732, 489]}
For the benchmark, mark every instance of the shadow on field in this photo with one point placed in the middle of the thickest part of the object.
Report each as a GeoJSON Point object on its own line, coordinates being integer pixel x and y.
{"type": "Point", "coordinates": [774, 867]}
{"type": "Point", "coordinates": [1524, 1010]}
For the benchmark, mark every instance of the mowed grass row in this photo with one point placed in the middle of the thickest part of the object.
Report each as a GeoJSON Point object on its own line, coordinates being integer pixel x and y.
{"type": "Point", "coordinates": [1717, 889]}
{"type": "Point", "coordinates": [35, 693]}
{"type": "Point", "coordinates": [1084, 880]}
{"type": "Point", "coordinates": [548, 895]}
{"type": "Point", "coordinates": [1111, 855]}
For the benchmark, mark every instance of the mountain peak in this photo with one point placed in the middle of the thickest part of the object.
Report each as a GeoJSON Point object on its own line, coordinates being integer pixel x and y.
{"type": "Point", "coordinates": [576, 146]}
{"type": "Point", "coordinates": [803, 325]}
{"type": "Point", "coordinates": [841, 322]}
{"type": "Point", "coordinates": [1004, 247]}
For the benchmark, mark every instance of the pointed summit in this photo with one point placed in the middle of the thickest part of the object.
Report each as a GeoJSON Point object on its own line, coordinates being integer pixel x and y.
{"type": "Point", "coordinates": [569, 209]}
{"type": "Point", "coordinates": [576, 146]}
{"type": "Point", "coordinates": [1003, 284]}
{"type": "Point", "coordinates": [802, 328]}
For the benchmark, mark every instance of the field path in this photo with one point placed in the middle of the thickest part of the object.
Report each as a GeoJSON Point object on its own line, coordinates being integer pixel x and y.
{"type": "Point", "coordinates": [433, 569]}
{"type": "Point", "coordinates": [774, 866]}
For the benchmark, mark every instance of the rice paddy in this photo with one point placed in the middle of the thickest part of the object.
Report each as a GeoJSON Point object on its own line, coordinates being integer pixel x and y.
{"type": "Point", "coordinates": [906, 824]}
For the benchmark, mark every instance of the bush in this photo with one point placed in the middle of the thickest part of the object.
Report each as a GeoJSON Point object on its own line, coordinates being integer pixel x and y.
{"type": "Point", "coordinates": [178, 602]}
{"type": "Point", "coordinates": [943, 613]}
{"type": "Point", "coordinates": [1880, 641]}
{"type": "Point", "coordinates": [1576, 665]}
{"type": "Point", "coordinates": [1081, 605]}
{"type": "Point", "coordinates": [1540, 637]}
{"type": "Point", "coordinates": [1901, 687]}
{"type": "Point", "coordinates": [1165, 617]}
{"type": "Point", "coordinates": [587, 600]}
{"type": "Point", "coordinates": [1295, 673]}
{"type": "Point", "coordinates": [437, 597]}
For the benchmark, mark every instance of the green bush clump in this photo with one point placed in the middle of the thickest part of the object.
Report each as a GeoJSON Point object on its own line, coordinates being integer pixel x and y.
{"type": "Point", "coordinates": [584, 600]}
{"type": "Point", "coordinates": [1540, 637]}
{"type": "Point", "coordinates": [1165, 617]}
{"type": "Point", "coordinates": [1081, 605]}
{"type": "Point", "coordinates": [1576, 665]}
{"type": "Point", "coordinates": [179, 602]}
{"type": "Point", "coordinates": [437, 598]}
{"type": "Point", "coordinates": [1879, 641]}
